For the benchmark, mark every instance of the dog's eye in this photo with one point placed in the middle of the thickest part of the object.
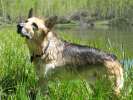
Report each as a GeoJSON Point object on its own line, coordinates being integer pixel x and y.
{"type": "Point", "coordinates": [35, 27]}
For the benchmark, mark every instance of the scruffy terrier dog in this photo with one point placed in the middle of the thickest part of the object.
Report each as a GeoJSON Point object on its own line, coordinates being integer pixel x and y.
{"type": "Point", "coordinates": [49, 52]}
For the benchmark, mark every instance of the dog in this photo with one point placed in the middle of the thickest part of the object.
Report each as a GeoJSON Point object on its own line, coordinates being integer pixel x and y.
{"type": "Point", "coordinates": [49, 52]}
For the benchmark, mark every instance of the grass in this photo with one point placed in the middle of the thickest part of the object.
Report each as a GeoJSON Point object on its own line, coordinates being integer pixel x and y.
{"type": "Point", "coordinates": [17, 75]}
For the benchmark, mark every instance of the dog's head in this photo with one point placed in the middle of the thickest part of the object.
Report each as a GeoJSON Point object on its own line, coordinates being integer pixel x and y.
{"type": "Point", "coordinates": [35, 27]}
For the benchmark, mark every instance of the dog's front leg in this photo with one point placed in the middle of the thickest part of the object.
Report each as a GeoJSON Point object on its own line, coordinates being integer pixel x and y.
{"type": "Point", "coordinates": [48, 68]}
{"type": "Point", "coordinates": [43, 81]}
{"type": "Point", "coordinates": [43, 77]}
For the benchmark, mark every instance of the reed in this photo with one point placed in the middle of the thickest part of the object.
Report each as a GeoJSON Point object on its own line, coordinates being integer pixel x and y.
{"type": "Point", "coordinates": [103, 8]}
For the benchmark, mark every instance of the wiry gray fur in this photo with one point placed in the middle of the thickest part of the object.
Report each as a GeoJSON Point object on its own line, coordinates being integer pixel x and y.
{"type": "Point", "coordinates": [83, 55]}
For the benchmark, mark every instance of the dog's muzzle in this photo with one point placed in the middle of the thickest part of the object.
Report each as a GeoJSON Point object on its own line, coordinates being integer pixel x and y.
{"type": "Point", "coordinates": [21, 31]}
{"type": "Point", "coordinates": [19, 27]}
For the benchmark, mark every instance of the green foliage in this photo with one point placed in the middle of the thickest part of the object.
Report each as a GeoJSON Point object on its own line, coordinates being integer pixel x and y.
{"type": "Point", "coordinates": [99, 8]}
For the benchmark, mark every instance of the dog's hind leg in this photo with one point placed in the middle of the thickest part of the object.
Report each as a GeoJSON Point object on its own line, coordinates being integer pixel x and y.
{"type": "Point", "coordinates": [114, 69]}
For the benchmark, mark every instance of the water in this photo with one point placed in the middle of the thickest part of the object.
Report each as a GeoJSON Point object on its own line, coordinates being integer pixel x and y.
{"type": "Point", "coordinates": [119, 38]}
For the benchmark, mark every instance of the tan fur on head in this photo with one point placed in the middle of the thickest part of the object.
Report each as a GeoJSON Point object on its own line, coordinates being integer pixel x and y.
{"type": "Point", "coordinates": [44, 25]}
{"type": "Point", "coordinates": [36, 31]}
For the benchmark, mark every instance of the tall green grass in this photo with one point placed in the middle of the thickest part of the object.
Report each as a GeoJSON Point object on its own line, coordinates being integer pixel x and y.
{"type": "Point", "coordinates": [101, 8]}
{"type": "Point", "coordinates": [17, 75]}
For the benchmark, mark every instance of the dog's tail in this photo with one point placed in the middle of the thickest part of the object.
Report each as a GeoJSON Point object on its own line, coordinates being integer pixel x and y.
{"type": "Point", "coordinates": [115, 69]}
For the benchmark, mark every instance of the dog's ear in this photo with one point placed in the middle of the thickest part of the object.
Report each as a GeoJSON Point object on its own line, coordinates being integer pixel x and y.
{"type": "Point", "coordinates": [50, 22]}
{"type": "Point", "coordinates": [30, 13]}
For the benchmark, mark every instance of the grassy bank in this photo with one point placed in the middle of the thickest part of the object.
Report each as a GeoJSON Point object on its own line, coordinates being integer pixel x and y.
{"type": "Point", "coordinates": [11, 10]}
{"type": "Point", "coordinates": [17, 76]}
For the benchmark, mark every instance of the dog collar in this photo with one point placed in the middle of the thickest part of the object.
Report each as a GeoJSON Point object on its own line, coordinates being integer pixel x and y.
{"type": "Point", "coordinates": [34, 56]}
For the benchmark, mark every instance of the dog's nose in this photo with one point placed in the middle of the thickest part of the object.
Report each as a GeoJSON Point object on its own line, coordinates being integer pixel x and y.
{"type": "Point", "coordinates": [19, 27]}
